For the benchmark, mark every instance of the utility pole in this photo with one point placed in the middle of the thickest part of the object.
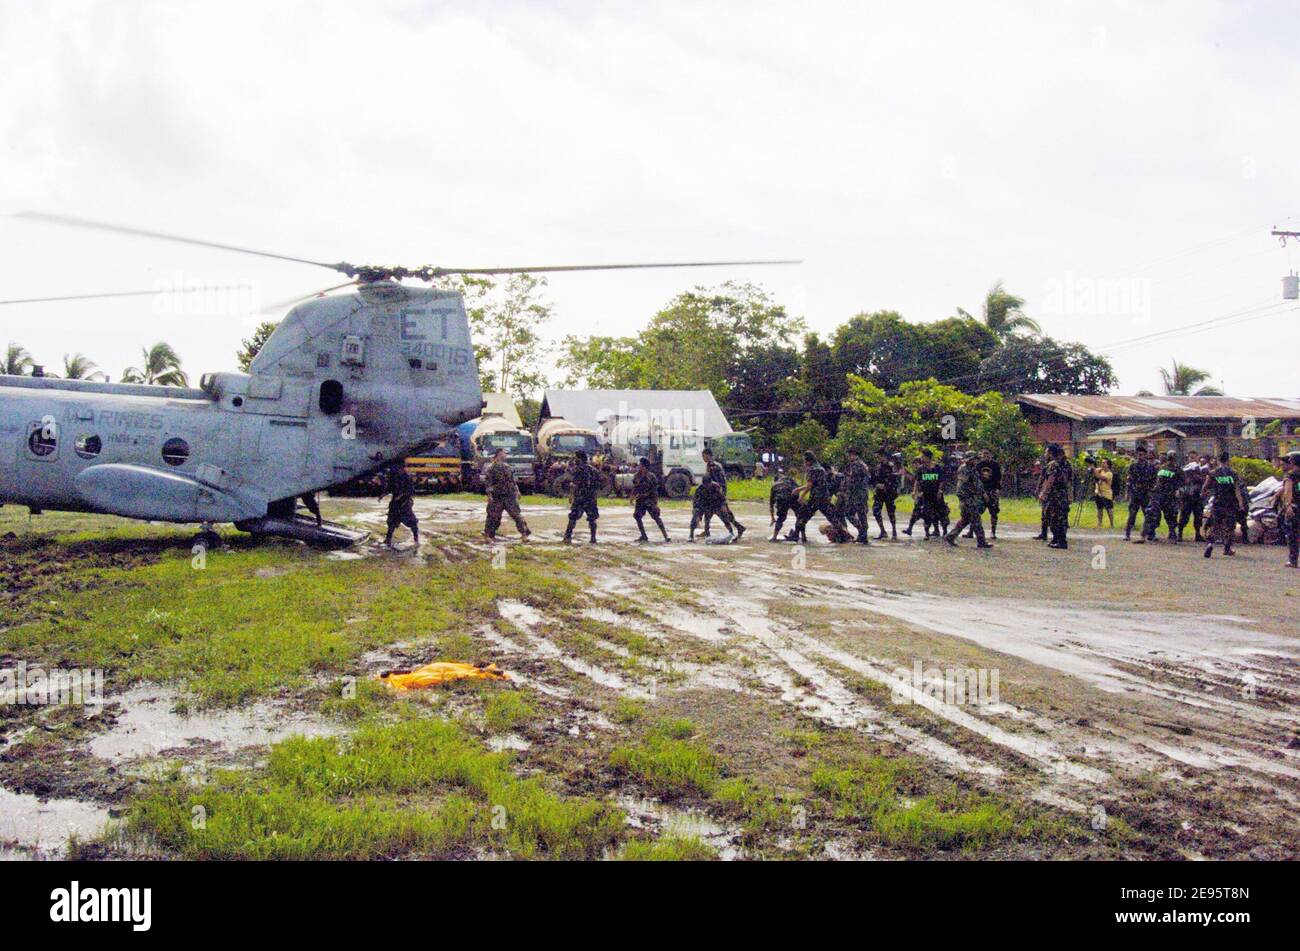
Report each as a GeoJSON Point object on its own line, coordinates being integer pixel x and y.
{"type": "Point", "coordinates": [1290, 283]}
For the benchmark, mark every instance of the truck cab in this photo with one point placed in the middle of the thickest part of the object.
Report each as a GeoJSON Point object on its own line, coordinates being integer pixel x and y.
{"type": "Point", "coordinates": [735, 452]}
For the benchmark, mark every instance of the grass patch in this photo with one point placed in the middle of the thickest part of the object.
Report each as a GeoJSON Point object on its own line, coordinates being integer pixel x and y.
{"type": "Point", "coordinates": [671, 848]}
{"type": "Point", "coordinates": [506, 709]}
{"type": "Point", "coordinates": [420, 786]}
{"type": "Point", "coordinates": [669, 763]}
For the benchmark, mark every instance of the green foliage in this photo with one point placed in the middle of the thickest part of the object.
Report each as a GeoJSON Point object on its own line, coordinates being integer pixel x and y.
{"type": "Point", "coordinates": [925, 413]}
{"type": "Point", "coordinates": [1042, 365]}
{"type": "Point", "coordinates": [252, 346]}
{"type": "Point", "coordinates": [602, 363]}
{"type": "Point", "coordinates": [888, 350]}
{"type": "Point", "coordinates": [670, 763]}
{"type": "Point", "coordinates": [161, 366]}
{"type": "Point", "coordinates": [1179, 379]}
{"type": "Point", "coordinates": [669, 848]}
{"type": "Point", "coordinates": [507, 709]}
{"type": "Point", "coordinates": [1254, 471]}
{"type": "Point", "coordinates": [17, 361]}
{"type": "Point", "coordinates": [808, 434]}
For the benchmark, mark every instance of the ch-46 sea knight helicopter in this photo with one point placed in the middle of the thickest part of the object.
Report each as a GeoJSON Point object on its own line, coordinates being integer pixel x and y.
{"type": "Point", "coordinates": [344, 386]}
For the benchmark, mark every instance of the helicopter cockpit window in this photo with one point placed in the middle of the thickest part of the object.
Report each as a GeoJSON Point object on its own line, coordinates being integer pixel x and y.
{"type": "Point", "coordinates": [88, 447]}
{"type": "Point", "coordinates": [175, 451]}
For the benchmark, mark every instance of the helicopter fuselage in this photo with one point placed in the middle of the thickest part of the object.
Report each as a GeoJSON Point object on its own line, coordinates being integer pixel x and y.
{"type": "Point", "coordinates": [343, 386]}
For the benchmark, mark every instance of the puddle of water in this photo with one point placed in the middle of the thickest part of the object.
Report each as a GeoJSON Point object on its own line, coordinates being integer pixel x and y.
{"type": "Point", "coordinates": [147, 725]}
{"type": "Point", "coordinates": [684, 823]}
{"type": "Point", "coordinates": [44, 827]}
{"type": "Point", "coordinates": [526, 618]}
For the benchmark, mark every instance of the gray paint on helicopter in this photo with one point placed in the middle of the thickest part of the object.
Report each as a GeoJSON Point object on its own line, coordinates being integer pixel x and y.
{"type": "Point", "coordinates": [402, 357]}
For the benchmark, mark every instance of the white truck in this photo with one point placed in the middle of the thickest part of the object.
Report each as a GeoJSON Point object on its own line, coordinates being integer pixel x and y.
{"type": "Point", "coordinates": [676, 455]}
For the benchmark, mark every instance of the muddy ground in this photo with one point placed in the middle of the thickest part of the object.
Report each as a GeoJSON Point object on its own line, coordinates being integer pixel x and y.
{"type": "Point", "coordinates": [1126, 701]}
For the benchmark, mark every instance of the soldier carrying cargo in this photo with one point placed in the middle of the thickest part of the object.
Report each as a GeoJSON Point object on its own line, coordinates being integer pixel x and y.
{"type": "Point", "coordinates": [502, 496]}
{"type": "Point", "coordinates": [401, 503]}
{"type": "Point", "coordinates": [711, 499]}
{"type": "Point", "coordinates": [582, 496]}
{"type": "Point", "coordinates": [780, 503]}
{"type": "Point", "coordinates": [645, 490]}
{"type": "Point", "coordinates": [854, 492]}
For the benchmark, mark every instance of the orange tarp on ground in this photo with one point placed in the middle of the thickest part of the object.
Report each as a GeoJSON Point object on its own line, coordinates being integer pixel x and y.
{"type": "Point", "coordinates": [439, 673]}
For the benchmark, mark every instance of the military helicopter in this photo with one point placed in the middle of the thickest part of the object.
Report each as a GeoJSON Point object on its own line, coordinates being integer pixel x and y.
{"type": "Point", "coordinates": [346, 385]}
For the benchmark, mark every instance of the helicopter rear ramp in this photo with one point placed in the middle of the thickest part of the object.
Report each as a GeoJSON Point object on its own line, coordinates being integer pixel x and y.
{"type": "Point", "coordinates": [300, 528]}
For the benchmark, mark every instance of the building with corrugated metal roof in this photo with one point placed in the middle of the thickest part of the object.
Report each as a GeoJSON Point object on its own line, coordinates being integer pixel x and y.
{"type": "Point", "coordinates": [1187, 424]}
{"type": "Point", "coordinates": [694, 410]}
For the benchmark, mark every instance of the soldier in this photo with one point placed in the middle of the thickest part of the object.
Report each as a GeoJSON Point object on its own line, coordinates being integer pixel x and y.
{"type": "Point", "coordinates": [502, 496]}
{"type": "Point", "coordinates": [711, 499]}
{"type": "Point", "coordinates": [645, 490]}
{"type": "Point", "coordinates": [1141, 477]}
{"type": "Point", "coordinates": [1224, 490]}
{"type": "Point", "coordinates": [853, 494]}
{"type": "Point", "coordinates": [780, 502]}
{"type": "Point", "coordinates": [1040, 473]}
{"type": "Point", "coordinates": [885, 479]}
{"type": "Point", "coordinates": [1191, 503]}
{"type": "Point", "coordinates": [309, 500]}
{"type": "Point", "coordinates": [990, 473]}
{"type": "Point", "coordinates": [1055, 496]}
{"type": "Point", "coordinates": [1163, 501]}
{"type": "Point", "coordinates": [933, 506]}
{"type": "Point", "coordinates": [401, 503]}
{"type": "Point", "coordinates": [582, 496]}
{"type": "Point", "coordinates": [1288, 506]}
{"type": "Point", "coordinates": [971, 495]}
{"type": "Point", "coordinates": [817, 491]}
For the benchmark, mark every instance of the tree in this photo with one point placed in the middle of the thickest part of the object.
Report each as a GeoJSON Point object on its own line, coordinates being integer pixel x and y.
{"type": "Point", "coordinates": [999, 426]}
{"type": "Point", "coordinates": [820, 387]}
{"type": "Point", "coordinates": [250, 348]}
{"type": "Point", "coordinates": [805, 435]}
{"type": "Point", "coordinates": [17, 361]}
{"type": "Point", "coordinates": [1043, 365]}
{"type": "Point", "coordinates": [888, 350]}
{"type": "Point", "coordinates": [160, 367]}
{"type": "Point", "coordinates": [1180, 379]}
{"type": "Point", "coordinates": [79, 367]}
{"type": "Point", "coordinates": [602, 363]}
{"type": "Point", "coordinates": [761, 383]}
{"type": "Point", "coordinates": [1004, 313]}
{"type": "Point", "coordinates": [507, 326]}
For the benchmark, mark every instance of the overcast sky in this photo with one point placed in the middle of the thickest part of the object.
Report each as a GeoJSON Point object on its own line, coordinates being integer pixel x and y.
{"type": "Point", "coordinates": [1118, 164]}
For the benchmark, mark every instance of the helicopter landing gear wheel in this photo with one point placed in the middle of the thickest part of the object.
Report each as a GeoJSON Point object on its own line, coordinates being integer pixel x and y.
{"type": "Point", "coordinates": [207, 537]}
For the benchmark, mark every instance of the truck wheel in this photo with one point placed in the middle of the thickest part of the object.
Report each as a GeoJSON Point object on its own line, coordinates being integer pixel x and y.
{"type": "Point", "coordinates": [677, 485]}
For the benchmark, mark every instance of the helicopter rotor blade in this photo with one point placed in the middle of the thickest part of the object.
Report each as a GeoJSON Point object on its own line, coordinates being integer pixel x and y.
{"type": "Point", "coordinates": [281, 305]}
{"type": "Point", "coordinates": [549, 269]}
{"type": "Point", "coordinates": [114, 294]}
{"type": "Point", "coordinates": [160, 236]}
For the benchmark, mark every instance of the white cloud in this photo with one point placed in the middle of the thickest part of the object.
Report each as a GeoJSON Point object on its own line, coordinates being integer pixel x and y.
{"type": "Point", "coordinates": [911, 153]}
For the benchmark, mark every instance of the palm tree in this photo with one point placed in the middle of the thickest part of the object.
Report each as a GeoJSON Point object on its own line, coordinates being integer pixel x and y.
{"type": "Point", "coordinates": [1180, 380]}
{"type": "Point", "coordinates": [17, 361]}
{"type": "Point", "coordinates": [161, 367]}
{"type": "Point", "coordinates": [1004, 314]}
{"type": "Point", "coordinates": [80, 367]}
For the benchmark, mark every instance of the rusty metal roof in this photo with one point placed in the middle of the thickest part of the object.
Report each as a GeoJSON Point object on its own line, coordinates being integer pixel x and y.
{"type": "Point", "coordinates": [1163, 407]}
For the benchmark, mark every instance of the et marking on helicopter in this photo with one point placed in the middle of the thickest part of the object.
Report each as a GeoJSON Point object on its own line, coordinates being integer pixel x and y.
{"type": "Point", "coordinates": [344, 386]}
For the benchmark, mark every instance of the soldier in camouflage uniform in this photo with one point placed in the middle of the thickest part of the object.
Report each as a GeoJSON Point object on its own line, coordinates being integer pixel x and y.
{"type": "Point", "coordinates": [780, 503]}
{"type": "Point", "coordinates": [817, 487]}
{"type": "Point", "coordinates": [1288, 507]}
{"type": "Point", "coordinates": [1141, 477]}
{"type": "Point", "coordinates": [645, 490]}
{"type": "Point", "coordinates": [1163, 502]}
{"type": "Point", "coordinates": [1191, 504]}
{"type": "Point", "coordinates": [582, 496]}
{"type": "Point", "coordinates": [854, 490]}
{"type": "Point", "coordinates": [1055, 496]}
{"type": "Point", "coordinates": [1223, 486]}
{"type": "Point", "coordinates": [401, 504]}
{"type": "Point", "coordinates": [971, 495]}
{"type": "Point", "coordinates": [711, 499]}
{"type": "Point", "coordinates": [885, 479]}
{"type": "Point", "coordinates": [502, 496]}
